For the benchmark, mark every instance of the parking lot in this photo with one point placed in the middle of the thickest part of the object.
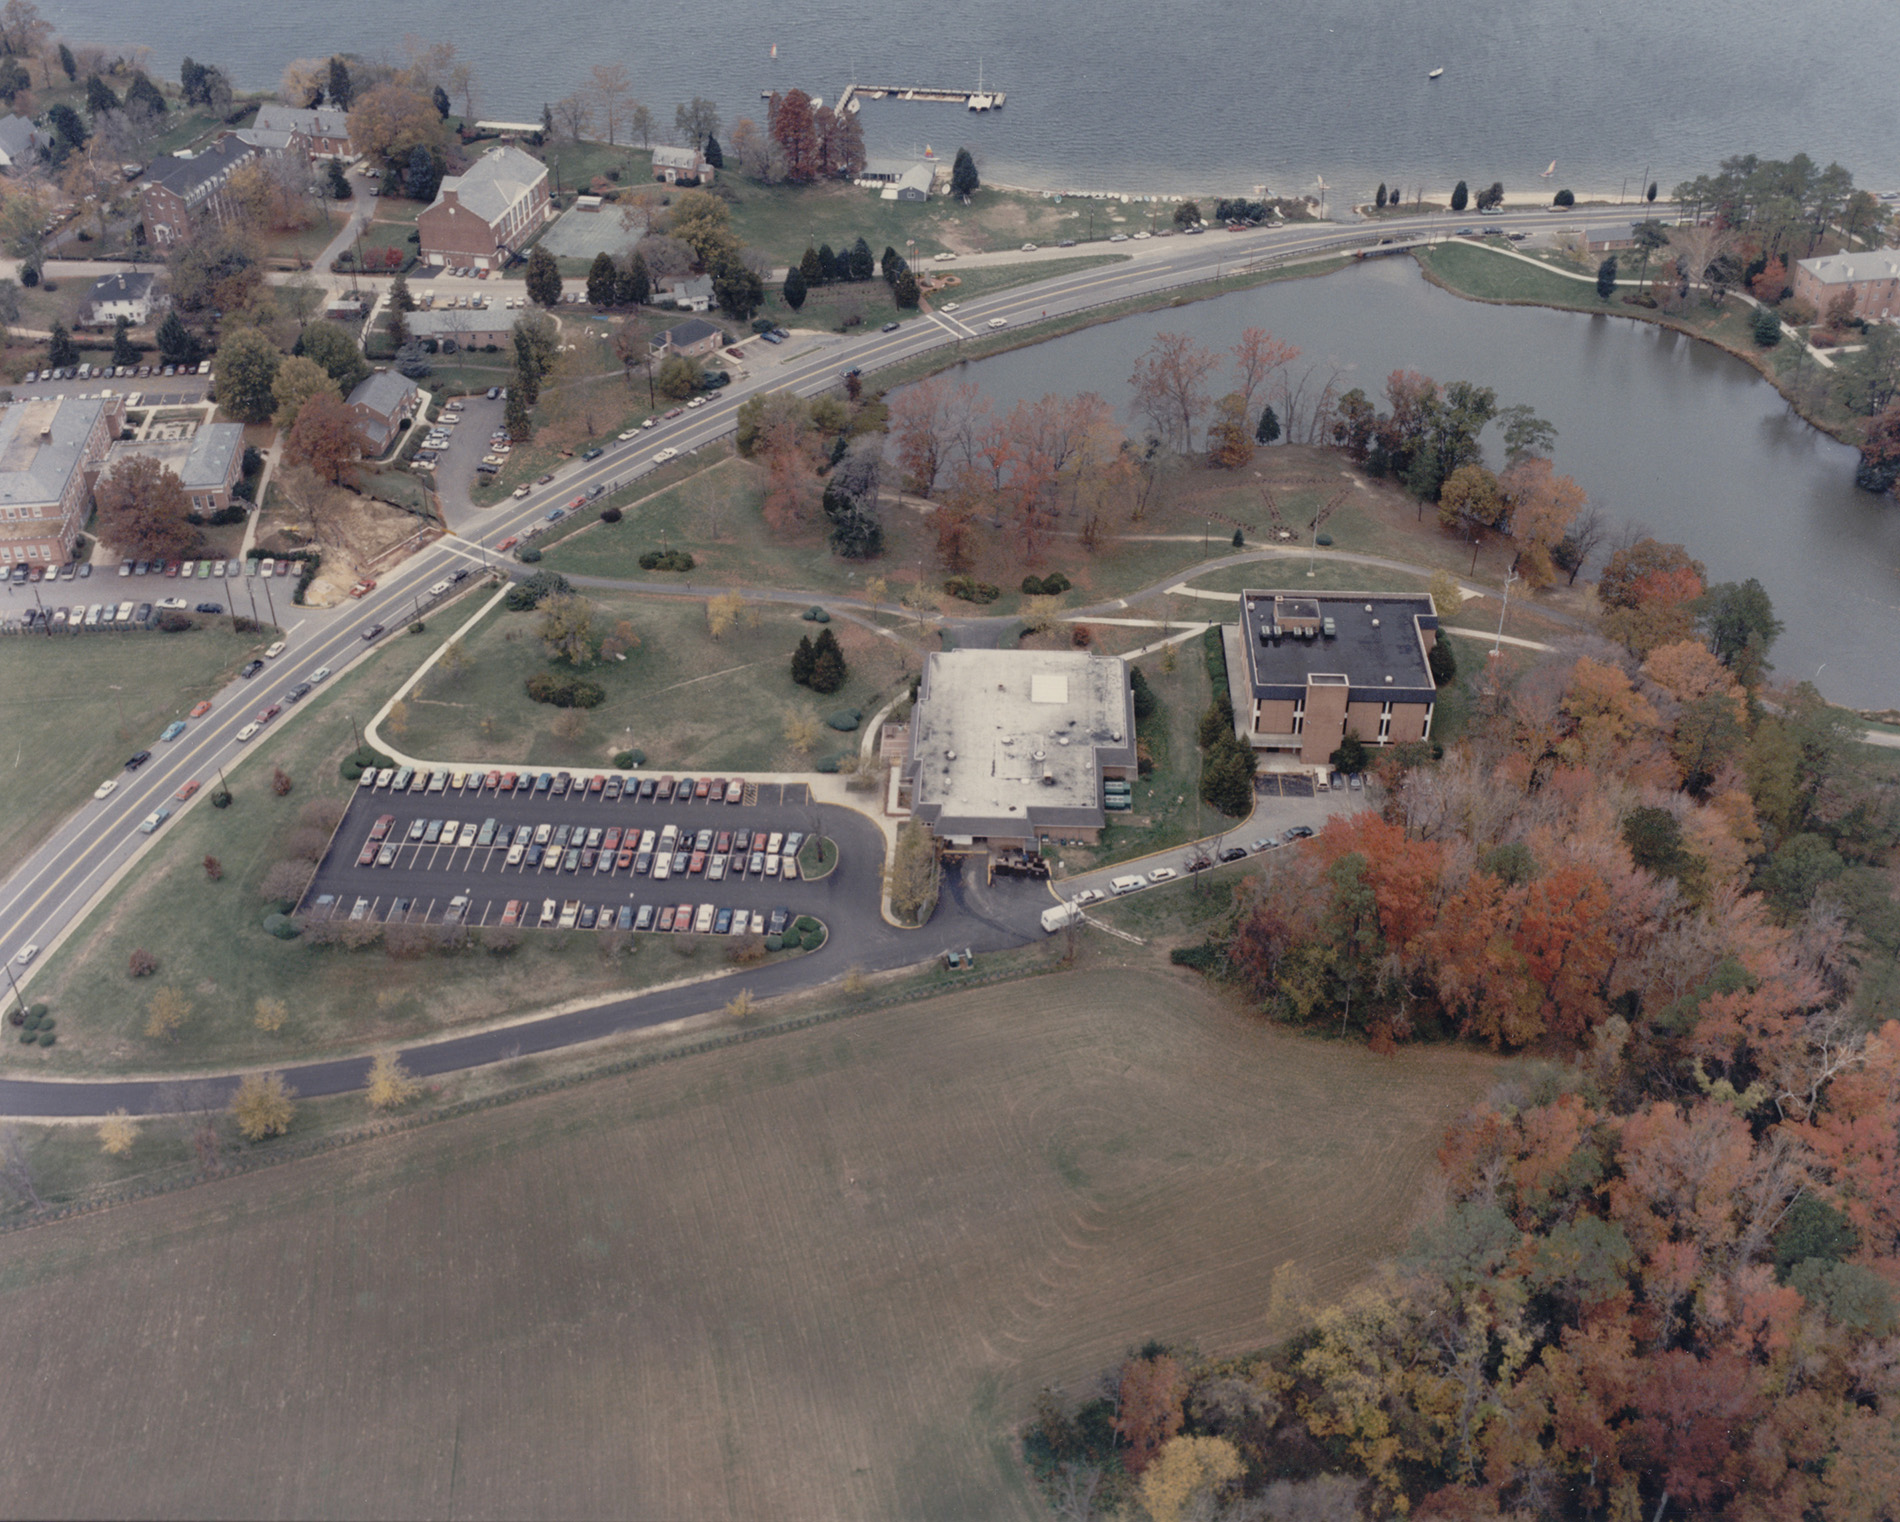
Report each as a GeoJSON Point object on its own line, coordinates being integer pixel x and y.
{"type": "Point", "coordinates": [452, 855]}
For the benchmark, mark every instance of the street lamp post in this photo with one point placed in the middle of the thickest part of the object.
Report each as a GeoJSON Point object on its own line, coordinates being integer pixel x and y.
{"type": "Point", "coordinates": [1497, 642]}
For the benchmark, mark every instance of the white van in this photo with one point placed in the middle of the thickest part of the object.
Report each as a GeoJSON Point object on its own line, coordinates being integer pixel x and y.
{"type": "Point", "coordinates": [1061, 915]}
{"type": "Point", "coordinates": [1121, 885]}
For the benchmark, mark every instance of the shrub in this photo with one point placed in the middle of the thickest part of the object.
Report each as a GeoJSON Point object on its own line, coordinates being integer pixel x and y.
{"type": "Point", "coordinates": [667, 560]}
{"type": "Point", "coordinates": [814, 939]}
{"type": "Point", "coordinates": [530, 592]}
{"type": "Point", "coordinates": [830, 766]}
{"type": "Point", "coordinates": [1032, 586]}
{"type": "Point", "coordinates": [529, 556]}
{"type": "Point", "coordinates": [280, 783]}
{"type": "Point", "coordinates": [173, 623]}
{"type": "Point", "coordinates": [1322, 539]}
{"type": "Point", "coordinates": [143, 964]}
{"type": "Point", "coordinates": [16, 1016]}
{"type": "Point", "coordinates": [1055, 583]}
{"type": "Point", "coordinates": [627, 760]}
{"type": "Point", "coordinates": [365, 759]}
{"type": "Point", "coordinates": [774, 942]}
{"type": "Point", "coordinates": [562, 689]}
{"type": "Point", "coordinates": [815, 615]}
{"type": "Point", "coordinates": [47, 1022]}
{"type": "Point", "coordinates": [804, 924]}
{"type": "Point", "coordinates": [221, 799]}
{"type": "Point", "coordinates": [610, 515]}
{"type": "Point", "coordinates": [27, 1038]}
{"type": "Point", "coordinates": [969, 589]}
{"type": "Point", "coordinates": [845, 720]}
{"type": "Point", "coordinates": [282, 926]}
{"type": "Point", "coordinates": [47, 1038]}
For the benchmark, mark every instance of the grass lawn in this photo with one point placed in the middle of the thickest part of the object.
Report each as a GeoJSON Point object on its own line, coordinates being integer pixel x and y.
{"type": "Point", "coordinates": [822, 1274]}
{"type": "Point", "coordinates": [306, 244]}
{"type": "Point", "coordinates": [208, 939]}
{"type": "Point", "coordinates": [687, 701]}
{"type": "Point", "coordinates": [59, 694]}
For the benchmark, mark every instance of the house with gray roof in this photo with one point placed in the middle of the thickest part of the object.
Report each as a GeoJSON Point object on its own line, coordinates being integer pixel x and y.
{"type": "Point", "coordinates": [485, 215]}
{"type": "Point", "coordinates": [51, 452]}
{"type": "Point", "coordinates": [690, 293]}
{"type": "Point", "coordinates": [19, 142]}
{"type": "Point", "coordinates": [912, 185]}
{"type": "Point", "coordinates": [675, 164]}
{"type": "Point", "coordinates": [692, 338]}
{"type": "Point", "coordinates": [1871, 278]}
{"type": "Point", "coordinates": [208, 463]}
{"type": "Point", "coordinates": [1010, 748]}
{"type": "Point", "coordinates": [130, 296]}
{"type": "Point", "coordinates": [465, 327]}
{"type": "Point", "coordinates": [182, 190]}
{"type": "Point", "coordinates": [325, 132]}
{"type": "Point", "coordinates": [382, 403]}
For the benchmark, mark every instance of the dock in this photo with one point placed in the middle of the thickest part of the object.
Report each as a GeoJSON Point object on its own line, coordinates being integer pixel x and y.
{"type": "Point", "coordinates": [978, 99]}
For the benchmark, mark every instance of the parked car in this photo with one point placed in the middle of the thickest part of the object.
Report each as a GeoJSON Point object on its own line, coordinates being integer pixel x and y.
{"type": "Point", "coordinates": [137, 759]}
{"type": "Point", "coordinates": [374, 631]}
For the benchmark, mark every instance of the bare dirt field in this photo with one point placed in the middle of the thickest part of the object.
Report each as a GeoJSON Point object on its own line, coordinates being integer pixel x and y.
{"type": "Point", "coordinates": [816, 1276]}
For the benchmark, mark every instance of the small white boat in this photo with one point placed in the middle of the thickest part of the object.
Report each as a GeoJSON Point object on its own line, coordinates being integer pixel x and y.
{"type": "Point", "coordinates": [1434, 73]}
{"type": "Point", "coordinates": [1550, 171]}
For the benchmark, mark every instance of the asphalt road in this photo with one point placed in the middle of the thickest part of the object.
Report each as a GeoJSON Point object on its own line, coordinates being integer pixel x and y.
{"type": "Point", "coordinates": [59, 882]}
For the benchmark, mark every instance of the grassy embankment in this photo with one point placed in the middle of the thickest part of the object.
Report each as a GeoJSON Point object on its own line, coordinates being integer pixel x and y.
{"type": "Point", "coordinates": [75, 706]}
{"type": "Point", "coordinates": [1110, 1174]}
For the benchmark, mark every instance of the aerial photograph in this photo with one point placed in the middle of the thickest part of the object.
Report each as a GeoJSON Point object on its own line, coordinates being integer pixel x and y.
{"type": "Point", "coordinates": [950, 763]}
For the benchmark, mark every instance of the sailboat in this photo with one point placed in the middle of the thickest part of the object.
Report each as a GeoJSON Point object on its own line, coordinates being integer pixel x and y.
{"type": "Point", "coordinates": [1550, 171]}
{"type": "Point", "coordinates": [775, 50]}
{"type": "Point", "coordinates": [1434, 73]}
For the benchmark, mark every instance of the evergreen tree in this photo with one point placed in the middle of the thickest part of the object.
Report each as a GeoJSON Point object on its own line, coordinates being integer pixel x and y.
{"type": "Point", "coordinates": [1240, 540]}
{"type": "Point", "coordinates": [339, 182]}
{"type": "Point", "coordinates": [69, 131]}
{"type": "Point", "coordinates": [527, 383]}
{"type": "Point", "coordinates": [828, 671]}
{"type": "Point", "coordinates": [794, 291]}
{"type": "Point", "coordinates": [1269, 428]}
{"type": "Point", "coordinates": [737, 289]}
{"type": "Point", "coordinates": [1460, 196]}
{"type": "Point", "coordinates": [143, 93]}
{"type": "Point", "coordinates": [905, 291]}
{"type": "Point", "coordinates": [547, 120]}
{"type": "Point", "coordinates": [99, 97]}
{"type": "Point", "coordinates": [543, 277]}
{"type": "Point", "coordinates": [398, 325]}
{"type": "Point", "coordinates": [635, 285]}
{"type": "Point", "coordinates": [1651, 195]}
{"type": "Point", "coordinates": [1351, 756]}
{"type": "Point", "coordinates": [890, 264]}
{"type": "Point", "coordinates": [1606, 278]}
{"type": "Point", "coordinates": [1564, 198]}
{"type": "Point", "coordinates": [399, 296]}
{"type": "Point", "coordinates": [603, 280]}
{"type": "Point", "coordinates": [59, 348]}
{"type": "Point", "coordinates": [342, 91]}
{"type": "Point", "coordinates": [1145, 701]}
{"type": "Point", "coordinates": [516, 417]}
{"type": "Point", "coordinates": [804, 658]}
{"type": "Point", "coordinates": [1227, 775]}
{"type": "Point", "coordinates": [827, 264]}
{"type": "Point", "coordinates": [715, 155]}
{"type": "Point", "coordinates": [1442, 661]}
{"type": "Point", "coordinates": [441, 102]}
{"type": "Point", "coordinates": [1380, 202]}
{"type": "Point", "coordinates": [421, 175]}
{"type": "Point", "coordinates": [863, 264]}
{"type": "Point", "coordinates": [963, 176]}
{"type": "Point", "coordinates": [123, 352]}
{"type": "Point", "coordinates": [176, 343]}
{"type": "Point", "coordinates": [809, 267]}
{"type": "Point", "coordinates": [71, 65]}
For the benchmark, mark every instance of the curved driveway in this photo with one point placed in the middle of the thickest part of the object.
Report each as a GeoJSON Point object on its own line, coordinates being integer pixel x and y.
{"type": "Point", "coordinates": [44, 898]}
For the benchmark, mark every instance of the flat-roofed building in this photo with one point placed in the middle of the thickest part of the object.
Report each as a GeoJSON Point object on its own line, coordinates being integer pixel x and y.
{"type": "Point", "coordinates": [209, 462]}
{"type": "Point", "coordinates": [1009, 748]}
{"type": "Point", "coordinates": [1307, 668]}
{"type": "Point", "coordinates": [51, 451]}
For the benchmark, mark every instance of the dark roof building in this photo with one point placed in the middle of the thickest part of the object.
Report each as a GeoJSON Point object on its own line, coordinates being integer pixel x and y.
{"type": "Point", "coordinates": [695, 336]}
{"type": "Point", "coordinates": [1307, 668]}
{"type": "Point", "coordinates": [183, 189]}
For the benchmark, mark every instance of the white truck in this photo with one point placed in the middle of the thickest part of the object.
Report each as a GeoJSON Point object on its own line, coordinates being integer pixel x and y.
{"type": "Point", "coordinates": [1061, 915]}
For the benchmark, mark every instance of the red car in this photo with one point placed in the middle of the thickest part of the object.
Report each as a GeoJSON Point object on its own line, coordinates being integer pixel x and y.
{"type": "Point", "coordinates": [612, 842]}
{"type": "Point", "coordinates": [683, 917]}
{"type": "Point", "coordinates": [492, 781]}
{"type": "Point", "coordinates": [599, 781]}
{"type": "Point", "coordinates": [187, 790]}
{"type": "Point", "coordinates": [625, 858]}
{"type": "Point", "coordinates": [368, 858]}
{"type": "Point", "coordinates": [508, 780]}
{"type": "Point", "coordinates": [509, 543]}
{"type": "Point", "coordinates": [578, 502]}
{"type": "Point", "coordinates": [723, 845]}
{"type": "Point", "coordinates": [666, 917]}
{"type": "Point", "coordinates": [702, 787]}
{"type": "Point", "coordinates": [698, 863]}
{"type": "Point", "coordinates": [364, 587]}
{"type": "Point", "coordinates": [381, 828]}
{"type": "Point", "coordinates": [512, 914]}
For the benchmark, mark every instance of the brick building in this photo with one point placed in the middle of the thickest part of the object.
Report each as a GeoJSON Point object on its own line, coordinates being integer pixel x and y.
{"type": "Point", "coordinates": [183, 190]}
{"type": "Point", "coordinates": [484, 216]}
{"type": "Point", "coordinates": [1011, 747]}
{"type": "Point", "coordinates": [675, 164]}
{"type": "Point", "coordinates": [1304, 669]}
{"type": "Point", "coordinates": [382, 402]}
{"type": "Point", "coordinates": [1873, 278]}
{"type": "Point", "coordinates": [693, 338]}
{"type": "Point", "coordinates": [209, 463]}
{"type": "Point", "coordinates": [51, 452]}
{"type": "Point", "coordinates": [322, 133]}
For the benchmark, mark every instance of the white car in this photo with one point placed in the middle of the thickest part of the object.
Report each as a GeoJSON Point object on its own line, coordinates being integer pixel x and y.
{"type": "Point", "coordinates": [27, 953]}
{"type": "Point", "coordinates": [698, 401]}
{"type": "Point", "coordinates": [318, 675]}
{"type": "Point", "coordinates": [247, 732]}
{"type": "Point", "coordinates": [521, 491]}
{"type": "Point", "coordinates": [664, 455]}
{"type": "Point", "coordinates": [1118, 238]}
{"type": "Point", "coordinates": [1088, 896]}
{"type": "Point", "coordinates": [439, 588]}
{"type": "Point", "coordinates": [172, 604]}
{"type": "Point", "coordinates": [274, 651]}
{"type": "Point", "coordinates": [105, 789]}
{"type": "Point", "coordinates": [951, 306]}
{"type": "Point", "coordinates": [1163, 875]}
{"type": "Point", "coordinates": [998, 322]}
{"type": "Point", "coordinates": [630, 433]}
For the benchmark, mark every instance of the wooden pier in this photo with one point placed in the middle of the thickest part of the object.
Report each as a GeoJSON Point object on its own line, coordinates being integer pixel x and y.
{"type": "Point", "coordinates": [975, 100]}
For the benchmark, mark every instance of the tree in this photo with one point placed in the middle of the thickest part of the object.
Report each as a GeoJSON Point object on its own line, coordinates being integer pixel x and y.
{"type": "Point", "coordinates": [1525, 433]}
{"type": "Point", "coordinates": [262, 1106]}
{"type": "Point", "coordinates": [678, 377]}
{"type": "Point", "coordinates": [611, 90]}
{"type": "Point", "coordinates": [60, 350]}
{"type": "Point", "coordinates": [176, 343]}
{"type": "Point", "coordinates": [1228, 441]}
{"type": "Point", "coordinates": [789, 122]}
{"type": "Point", "coordinates": [168, 1010]}
{"type": "Point", "coordinates": [603, 279]}
{"type": "Point", "coordinates": [566, 629]}
{"type": "Point", "coordinates": [1170, 386]}
{"type": "Point", "coordinates": [1148, 1407]}
{"type": "Point", "coordinates": [738, 289]}
{"type": "Point", "coordinates": [341, 89]}
{"type": "Point", "coordinates": [142, 510]}
{"type": "Point", "coordinates": [100, 99]}
{"type": "Point", "coordinates": [715, 155]}
{"type": "Point", "coordinates": [851, 503]}
{"type": "Point", "coordinates": [247, 366]}
{"type": "Point", "coordinates": [391, 119]}
{"type": "Point", "coordinates": [422, 173]}
{"type": "Point", "coordinates": [1269, 428]}
{"type": "Point", "coordinates": [635, 285]}
{"type": "Point", "coordinates": [1738, 621]}
{"type": "Point", "coordinates": [1379, 200]}
{"type": "Point", "coordinates": [71, 67]}
{"type": "Point", "coordinates": [1564, 198]}
{"type": "Point", "coordinates": [803, 659]}
{"type": "Point", "coordinates": [1765, 328]}
{"type": "Point", "coordinates": [905, 290]}
{"type": "Point", "coordinates": [516, 417]}
{"type": "Point", "coordinates": [696, 122]}
{"type": "Point", "coordinates": [915, 873]}
{"type": "Point", "coordinates": [828, 669]}
{"type": "Point", "coordinates": [326, 437]}
{"type": "Point", "coordinates": [124, 351]}
{"type": "Point", "coordinates": [963, 177]}
{"type": "Point", "coordinates": [863, 262]}
{"type": "Point", "coordinates": [439, 98]}
{"type": "Point", "coordinates": [1460, 196]}
{"type": "Point", "coordinates": [390, 1085]}
{"type": "Point", "coordinates": [1351, 756]}
{"type": "Point", "coordinates": [297, 380]}
{"type": "Point", "coordinates": [722, 612]}
{"type": "Point", "coordinates": [337, 183]}
{"type": "Point", "coordinates": [270, 1014]}
{"type": "Point", "coordinates": [118, 1133]}
{"type": "Point", "coordinates": [794, 288]}
{"type": "Point", "coordinates": [543, 280]}
{"type": "Point", "coordinates": [1606, 278]}
{"type": "Point", "coordinates": [69, 132]}
{"type": "Point", "coordinates": [1187, 1475]}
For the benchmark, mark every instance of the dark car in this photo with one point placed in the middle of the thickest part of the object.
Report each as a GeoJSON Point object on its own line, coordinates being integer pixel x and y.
{"type": "Point", "coordinates": [298, 693]}
{"type": "Point", "coordinates": [647, 787]}
{"type": "Point", "coordinates": [592, 454]}
{"type": "Point", "coordinates": [374, 631]}
{"type": "Point", "coordinates": [210, 607]}
{"type": "Point", "coordinates": [572, 860]}
{"type": "Point", "coordinates": [1234, 853]}
{"type": "Point", "coordinates": [779, 920]}
{"type": "Point", "coordinates": [1298, 832]}
{"type": "Point", "coordinates": [251, 668]}
{"type": "Point", "coordinates": [135, 762]}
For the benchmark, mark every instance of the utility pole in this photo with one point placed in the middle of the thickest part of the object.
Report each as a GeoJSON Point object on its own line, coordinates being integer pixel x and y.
{"type": "Point", "coordinates": [270, 603]}
{"type": "Point", "coordinates": [1499, 640]}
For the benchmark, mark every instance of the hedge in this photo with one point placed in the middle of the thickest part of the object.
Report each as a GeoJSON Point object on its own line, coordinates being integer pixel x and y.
{"type": "Point", "coordinates": [845, 720]}
{"type": "Point", "coordinates": [563, 690]}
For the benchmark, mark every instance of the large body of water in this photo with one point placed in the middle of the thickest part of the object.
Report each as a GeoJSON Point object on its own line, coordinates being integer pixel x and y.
{"type": "Point", "coordinates": [1194, 95]}
{"type": "Point", "coordinates": [1659, 429]}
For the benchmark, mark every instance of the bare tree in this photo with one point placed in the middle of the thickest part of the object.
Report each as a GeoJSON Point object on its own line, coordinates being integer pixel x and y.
{"type": "Point", "coordinates": [573, 117]}
{"type": "Point", "coordinates": [1170, 386]}
{"type": "Point", "coordinates": [611, 88]}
